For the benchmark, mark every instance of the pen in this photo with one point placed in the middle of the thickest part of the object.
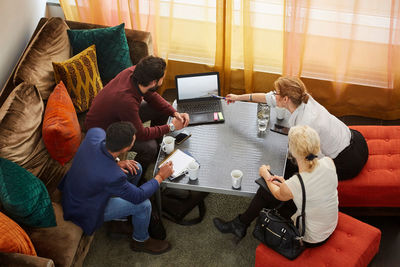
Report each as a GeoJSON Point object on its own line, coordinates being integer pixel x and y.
{"type": "Point", "coordinates": [217, 96]}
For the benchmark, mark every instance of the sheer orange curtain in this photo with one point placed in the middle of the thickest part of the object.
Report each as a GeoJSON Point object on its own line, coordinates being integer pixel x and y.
{"type": "Point", "coordinates": [351, 48]}
{"type": "Point", "coordinates": [346, 51]}
{"type": "Point", "coordinates": [139, 15]}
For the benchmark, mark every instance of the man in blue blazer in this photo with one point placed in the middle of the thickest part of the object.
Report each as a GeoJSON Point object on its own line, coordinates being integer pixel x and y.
{"type": "Point", "coordinates": [98, 187]}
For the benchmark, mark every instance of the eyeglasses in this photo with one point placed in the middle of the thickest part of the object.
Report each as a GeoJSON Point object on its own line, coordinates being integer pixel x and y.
{"type": "Point", "coordinates": [275, 92]}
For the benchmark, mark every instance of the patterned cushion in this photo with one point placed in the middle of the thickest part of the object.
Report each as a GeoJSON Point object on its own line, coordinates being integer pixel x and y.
{"type": "Point", "coordinates": [61, 130]}
{"type": "Point", "coordinates": [81, 77]}
{"type": "Point", "coordinates": [24, 197]}
{"type": "Point", "coordinates": [50, 44]}
{"type": "Point", "coordinates": [111, 45]}
{"type": "Point", "coordinates": [20, 119]}
{"type": "Point", "coordinates": [13, 238]}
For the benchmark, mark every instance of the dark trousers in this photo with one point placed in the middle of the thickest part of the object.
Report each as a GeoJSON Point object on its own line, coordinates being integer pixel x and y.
{"type": "Point", "coordinates": [147, 150]}
{"type": "Point", "coordinates": [264, 199]}
{"type": "Point", "coordinates": [352, 159]}
{"type": "Point", "coordinates": [348, 163]}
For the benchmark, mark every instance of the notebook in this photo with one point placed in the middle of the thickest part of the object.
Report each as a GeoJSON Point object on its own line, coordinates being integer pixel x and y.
{"type": "Point", "coordinates": [181, 161]}
{"type": "Point", "coordinates": [198, 95]}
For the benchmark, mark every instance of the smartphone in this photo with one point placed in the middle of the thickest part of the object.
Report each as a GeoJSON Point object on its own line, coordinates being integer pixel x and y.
{"type": "Point", "coordinates": [280, 129]}
{"type": "Point", "coordinates": [181, 137]}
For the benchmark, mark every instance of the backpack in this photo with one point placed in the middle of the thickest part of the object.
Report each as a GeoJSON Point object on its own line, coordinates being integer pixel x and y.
{"type": "Point", "coordinates": [177, 203]}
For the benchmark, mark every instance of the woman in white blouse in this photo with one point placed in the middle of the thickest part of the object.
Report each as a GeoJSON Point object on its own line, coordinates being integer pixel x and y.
{"type": "Point", "coordinates": [347, 147]}
{"type": "Point", "coordinates": [320, 182]}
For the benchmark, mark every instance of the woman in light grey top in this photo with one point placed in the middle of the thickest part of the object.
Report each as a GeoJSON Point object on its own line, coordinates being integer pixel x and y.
{"type": "Point", "coordinates": [320, 183]}
{"type": "Point", "coordinates": [347, 147]}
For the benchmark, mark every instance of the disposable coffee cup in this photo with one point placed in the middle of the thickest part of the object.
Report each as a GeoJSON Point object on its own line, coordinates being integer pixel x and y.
{"type": "Point", "coordinates": [193, 170]}
{"type": "Point", "coordinates": [168, 144]}
{"type": "Point", "coordinates": [237, 176]}
{"type": "Point", "coordinates": [280, 113]}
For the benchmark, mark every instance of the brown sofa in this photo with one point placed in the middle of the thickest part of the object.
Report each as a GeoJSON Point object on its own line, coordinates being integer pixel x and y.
{"type": "Point", "coordinates": [65, 244]}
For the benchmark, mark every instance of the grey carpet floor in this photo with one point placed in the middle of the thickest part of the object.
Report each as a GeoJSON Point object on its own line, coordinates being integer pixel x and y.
{"type": "Point", "coordinates": [196, 245]}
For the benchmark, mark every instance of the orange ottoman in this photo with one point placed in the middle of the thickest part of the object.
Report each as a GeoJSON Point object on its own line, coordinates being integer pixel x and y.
{"type": "Point", "coordinates": [353, 243]}
{"type": "Point", "coordinates": [378, 184]}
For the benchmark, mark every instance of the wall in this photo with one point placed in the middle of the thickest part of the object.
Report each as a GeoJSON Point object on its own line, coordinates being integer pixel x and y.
{"type": "Point", "coordinates": [18, 20]}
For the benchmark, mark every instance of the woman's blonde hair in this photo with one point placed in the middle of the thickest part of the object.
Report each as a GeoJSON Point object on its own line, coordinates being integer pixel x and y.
{"type": "Point", "coordinates": [304, 143]}
{"type": "Point", "coordinates": [293, 88]}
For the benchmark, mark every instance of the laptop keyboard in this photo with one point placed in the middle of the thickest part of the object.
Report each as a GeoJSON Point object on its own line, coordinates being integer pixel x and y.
{"type": "Point", "coordinates": [197, 107]}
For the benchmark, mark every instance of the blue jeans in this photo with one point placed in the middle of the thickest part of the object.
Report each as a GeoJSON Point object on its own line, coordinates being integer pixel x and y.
{"type": "Point", "coordinates": [118, 208]}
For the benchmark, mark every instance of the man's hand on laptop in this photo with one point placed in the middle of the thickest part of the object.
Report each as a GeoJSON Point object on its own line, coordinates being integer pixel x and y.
{"type": "Point", "coordinates": [183, 117]}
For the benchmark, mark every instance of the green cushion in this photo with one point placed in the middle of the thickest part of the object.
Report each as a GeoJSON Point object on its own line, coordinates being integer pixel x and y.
{"type": "Point", "coordinates": [24, 197]}
{"type": "Point", "coordinates": [111, 47]}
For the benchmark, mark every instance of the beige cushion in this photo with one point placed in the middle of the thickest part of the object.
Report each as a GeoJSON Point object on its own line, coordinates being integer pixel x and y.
{"type": "Point", "coordinates": [50, 44]}
{"type": "Point", "coordinates": [57, 243]}
{"type": "Point", "coordinates": [20, 119]}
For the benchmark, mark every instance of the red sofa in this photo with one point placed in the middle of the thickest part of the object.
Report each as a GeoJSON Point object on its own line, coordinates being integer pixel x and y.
{"type": "Point", "coordinates": [378, 184]}
{"type": "Point", "coordinates": [353, 243]}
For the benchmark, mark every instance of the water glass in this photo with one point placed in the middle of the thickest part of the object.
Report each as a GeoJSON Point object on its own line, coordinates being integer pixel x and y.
{"type": "Point", "coordinates": [263, 113]}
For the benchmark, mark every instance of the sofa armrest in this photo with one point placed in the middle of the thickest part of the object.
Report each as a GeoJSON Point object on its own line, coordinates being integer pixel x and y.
{"type": "Point", "coordinates": [21, 260]}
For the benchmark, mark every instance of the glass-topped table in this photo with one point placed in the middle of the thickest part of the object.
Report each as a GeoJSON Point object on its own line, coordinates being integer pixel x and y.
{"type": "Point", "coordinates": [234, 144]}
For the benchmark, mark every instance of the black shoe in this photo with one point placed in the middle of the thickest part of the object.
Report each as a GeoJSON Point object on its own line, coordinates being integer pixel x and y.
{"type": "Point", "coordinates": [235, 227]}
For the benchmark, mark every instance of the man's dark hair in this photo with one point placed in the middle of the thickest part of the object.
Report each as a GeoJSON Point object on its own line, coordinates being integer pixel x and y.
{"type": "Point", "coordinates": [119, 135]}
{"type": "Point", "coordinates": [149, 69]}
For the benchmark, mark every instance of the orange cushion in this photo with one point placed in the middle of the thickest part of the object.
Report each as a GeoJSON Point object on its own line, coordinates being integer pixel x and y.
{"type": "Point", "coordinates": [353, 243]}
{"type": "Point", "coordinates": [378, 184]}
{"type": "Point", "coordinates": [13, 238]}
{"type": "Point", "coordinates": [61, 131]}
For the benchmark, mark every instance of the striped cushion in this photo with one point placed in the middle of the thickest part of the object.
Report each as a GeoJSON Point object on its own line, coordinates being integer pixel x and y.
{"type": "Point", "coordinates": [13, 238]}
{"type": "Point", "coordinates": [80, 75]}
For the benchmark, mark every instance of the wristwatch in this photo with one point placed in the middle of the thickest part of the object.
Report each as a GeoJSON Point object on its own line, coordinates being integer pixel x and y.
{"type": "Point", "coordinates": [171, 127]}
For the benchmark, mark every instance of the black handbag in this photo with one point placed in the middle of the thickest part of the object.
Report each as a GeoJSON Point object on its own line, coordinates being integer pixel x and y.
{"type": "Point", "coordinates": [279, 233]}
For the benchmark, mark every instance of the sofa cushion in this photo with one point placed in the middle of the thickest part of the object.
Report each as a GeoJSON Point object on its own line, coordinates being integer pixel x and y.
{"type": "Point", "coordinates": [24, 197]}
{"type": "Point", "coordinates": [111, 45]}
{"type": "Point", "coordinates": [20, 135]}
{"type": "Point", "coordinates": [80, 75]}
{"type": "Point", "coordinates": [378, 183]}
{"type": "Point", "coordinates": [13, 238]}
{"type": "Point", "coordinates": [353, 243]}
{"type": "Point", "coordinates": [50, 44]}
{"type": "Point", "coordinates": [20, 119]}
{"type": "Point", "coordinates": [58, 243]}
{"type": "Point", "coordinates": [61, 131]}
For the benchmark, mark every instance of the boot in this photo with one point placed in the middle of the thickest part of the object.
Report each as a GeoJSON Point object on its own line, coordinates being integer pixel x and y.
{"type": "Point", "coordinates": [235, 227]}
{"type": "Point", "coordinates": [151, 246]}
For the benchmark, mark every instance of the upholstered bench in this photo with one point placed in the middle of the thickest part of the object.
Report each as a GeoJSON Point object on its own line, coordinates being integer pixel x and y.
{"type": "Point", "coordinates": [378, 184]}
{"type": "Point", "coordinates": [353, 243]}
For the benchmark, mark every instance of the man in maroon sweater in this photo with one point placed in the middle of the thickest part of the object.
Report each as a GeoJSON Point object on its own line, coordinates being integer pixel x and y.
{"type": "Point", "coordinates": [131, 96]}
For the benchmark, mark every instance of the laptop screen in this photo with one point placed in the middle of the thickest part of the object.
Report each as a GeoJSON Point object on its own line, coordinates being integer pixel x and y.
{"type": "Point", "coordinates": [197, 86]}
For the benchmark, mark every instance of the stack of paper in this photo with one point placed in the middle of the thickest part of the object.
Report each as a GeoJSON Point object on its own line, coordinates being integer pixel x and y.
{"type": "Point", "coordinates": [180, 162]}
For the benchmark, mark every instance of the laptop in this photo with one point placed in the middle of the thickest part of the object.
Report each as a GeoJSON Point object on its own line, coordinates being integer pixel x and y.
{"type": "Point", "coordinates": [197, 95]}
